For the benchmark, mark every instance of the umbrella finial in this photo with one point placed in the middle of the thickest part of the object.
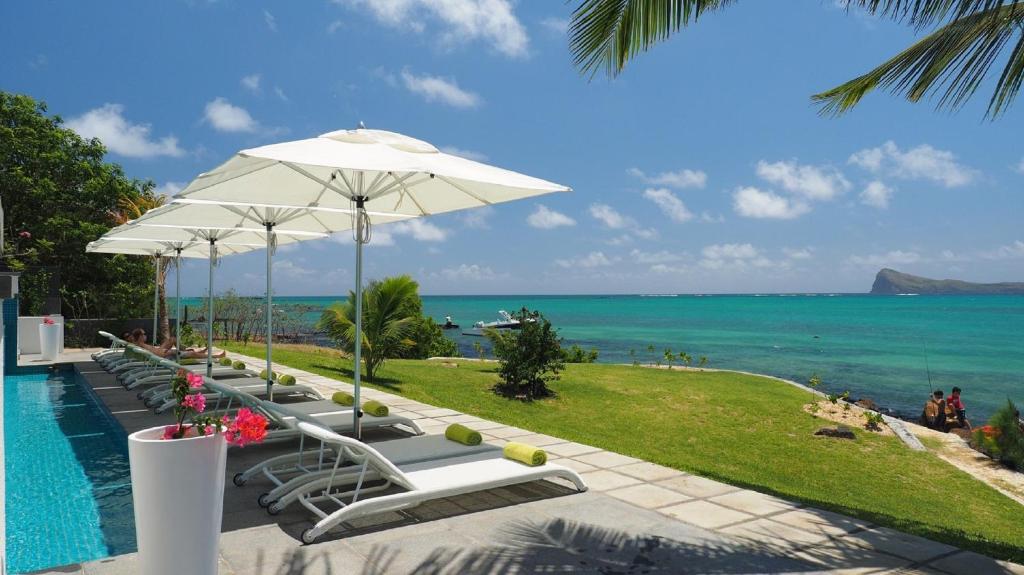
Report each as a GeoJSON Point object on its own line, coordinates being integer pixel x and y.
{"type": "Point", "coordinates": [361, 125]}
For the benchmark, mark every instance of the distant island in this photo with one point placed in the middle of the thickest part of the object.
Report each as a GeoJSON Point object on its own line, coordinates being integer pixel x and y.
{"type": "Point", "coordinates": [893, 282]}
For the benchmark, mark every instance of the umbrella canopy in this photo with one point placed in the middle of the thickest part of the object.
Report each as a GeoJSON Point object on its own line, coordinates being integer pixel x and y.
{"type": "Point", "coordinates": [364, 176]}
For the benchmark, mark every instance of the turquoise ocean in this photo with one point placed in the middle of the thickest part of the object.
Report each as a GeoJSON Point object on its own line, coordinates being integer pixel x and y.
{"type": "Point", "coordinates": [881, 347]}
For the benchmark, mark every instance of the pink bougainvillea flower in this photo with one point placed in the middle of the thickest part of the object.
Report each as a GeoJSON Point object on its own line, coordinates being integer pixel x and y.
{"type": "Point", "coordinates": [170, 431]}
{"type": "Point", "coordinates": [195, 401]}
{"type": "Point", "coordinates": [25, 235]}
{"type": "Point", "coordinates": [247, 427]}
{"type": "Point", "coordinates": [194, 379]}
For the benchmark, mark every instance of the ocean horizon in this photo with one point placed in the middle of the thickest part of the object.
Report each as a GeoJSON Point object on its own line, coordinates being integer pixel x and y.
{"type": "Point", "coordinates": [893, 349]}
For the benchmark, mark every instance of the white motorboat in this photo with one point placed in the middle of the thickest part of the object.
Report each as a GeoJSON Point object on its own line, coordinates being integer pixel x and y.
{"type": "Point", "coordinates": [505, 322]}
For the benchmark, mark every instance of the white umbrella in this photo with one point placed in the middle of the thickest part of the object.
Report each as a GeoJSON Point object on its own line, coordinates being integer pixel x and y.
{"type": "Point", "coordinates": [373, 176]}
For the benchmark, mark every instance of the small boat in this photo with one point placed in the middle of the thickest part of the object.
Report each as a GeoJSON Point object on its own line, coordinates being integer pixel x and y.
{"type": "Point", "coordinates": [505, 322]}
{"type": "Point", "coordinates": [448, 323]}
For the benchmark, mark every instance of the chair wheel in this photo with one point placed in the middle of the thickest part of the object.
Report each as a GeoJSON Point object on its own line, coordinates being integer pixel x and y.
{"type": "Point", "coordinates": [238, 480]}
{"type": "Point", "coordinates": [263, 500]}
{"type": "Point", "coordinates": [273, 508]}
{"type": "Point", "coordinates": [307, 536]}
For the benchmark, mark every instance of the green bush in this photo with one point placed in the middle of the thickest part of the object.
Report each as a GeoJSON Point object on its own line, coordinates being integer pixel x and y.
{"type": "Point", "coordinates": [577, 354]}
{"type": "Point", "coordinates": [1002, 438]}
{"type": "Point", "coordinates": [529, 357]}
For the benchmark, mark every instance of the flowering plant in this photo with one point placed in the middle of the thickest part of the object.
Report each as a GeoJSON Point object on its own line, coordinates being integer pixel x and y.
{"type": "Point", "coordinates": [247, 427]}
{"type": "Point", "coordinates": [48, 321]}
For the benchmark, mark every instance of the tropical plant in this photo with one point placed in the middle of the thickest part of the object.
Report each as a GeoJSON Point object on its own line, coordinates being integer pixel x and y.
{"type": "Point", "coordinates": [577, 354]}
{"type": "Point", "coordinates": [1003, 437]}
{"type": "Point", "coordinates": [685, 358]}
{"type": "Point", "coordinates": [632, 358]}
{"type": "Point", "coordinates": [389, 319]}
{"type": "Point", "coordinates": [529, 357]}
{"type": "Point", "coordinates": [245, 428]}
{"type": "Point", "coordinates": [702, 361]}
{"type": "Point", "coordinates": [814, 382]}
{"type": "Point", "coordinates": [873, 420]}
{"type": "Point", "coordinates": [479, 349]}
{"type": "Point", "coordinates": [953, 60]}
{"type": "Point", "coordinates": [654, 357]}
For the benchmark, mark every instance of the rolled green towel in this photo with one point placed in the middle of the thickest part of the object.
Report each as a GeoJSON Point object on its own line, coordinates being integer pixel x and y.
{"type": "Point", "coordinates": [375, 408]}
{"type": "Point", "coordinates": [462, 434]}
{"type": "Point", "coordinates": [190, 361]}
{"type": "Point", "coordinates": [286, 380]}
{"type": "Point", "coordinates": [342, 398]}
{"type": "Point", "coordinates": [239, 364]}
{"type": "Point", "coordinates": [523, 453]}
{"type": "Point", "coordinates": [225, 361]}
{"type": "Point", "coordinates": [263, 375]}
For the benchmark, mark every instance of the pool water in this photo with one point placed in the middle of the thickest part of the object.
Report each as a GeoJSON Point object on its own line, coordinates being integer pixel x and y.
{"type": "Point", "coordinates": [69, 493]}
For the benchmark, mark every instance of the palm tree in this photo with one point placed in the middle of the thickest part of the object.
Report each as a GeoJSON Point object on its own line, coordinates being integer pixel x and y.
{"type": "Point", "coordinates": [129, 209]}
{"type": "Point", "coordinates": [389, 317]}
{"type": "Point", "coordinates": [954, 59]}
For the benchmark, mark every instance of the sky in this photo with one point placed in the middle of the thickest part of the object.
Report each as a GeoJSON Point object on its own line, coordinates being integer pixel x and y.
{"type": "Point", "coordinates": [704, 168]}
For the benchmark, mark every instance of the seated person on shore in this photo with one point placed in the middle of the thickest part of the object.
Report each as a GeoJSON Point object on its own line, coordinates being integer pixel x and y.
{"type": "Point", "coordinates": [955, 409]}
{"type": "Point", "coordinates": [934, 415]}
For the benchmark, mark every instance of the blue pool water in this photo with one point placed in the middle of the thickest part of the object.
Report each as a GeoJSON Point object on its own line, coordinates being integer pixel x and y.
{"type": "Point", "coordinates": [68, 483]}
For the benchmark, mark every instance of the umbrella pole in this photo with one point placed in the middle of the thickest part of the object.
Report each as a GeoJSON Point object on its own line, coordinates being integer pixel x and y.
{"type": "Point", "coordinates": [270, 315]}
{"type": "Point", "coordinates": [156, 298]}
{"type": "Point", "coordinates": [357, 411]}
{"type": "Point", "coordinates": [177, 305]}
{"type": "Point", "coordinates": [209, 312]}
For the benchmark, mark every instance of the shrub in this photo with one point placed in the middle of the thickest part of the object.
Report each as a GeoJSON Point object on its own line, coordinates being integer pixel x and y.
{"type": "Point", "coordinates": [873, 420]}
{"type": "Point", "coordinates": [577, 354]}
{"type": "Point", "coordinates": [1002, 438]}
{"type": "Point", "coordinates": [530, 357]}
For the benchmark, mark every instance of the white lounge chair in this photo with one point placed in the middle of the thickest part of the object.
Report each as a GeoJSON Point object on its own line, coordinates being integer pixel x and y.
{"type": "Point", "coordinates": [423, 481]}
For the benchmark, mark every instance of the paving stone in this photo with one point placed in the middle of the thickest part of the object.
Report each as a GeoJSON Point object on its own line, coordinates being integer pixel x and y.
{"type": "Point", "coordinates": [648, 471]}
{"type": "Point", "coordinates": [570, 449]}
{"type": "Point", "coordinates": [818, 521]}
{"type": "Point", "coordinates": [605, 459]}
{"type": "Point", "coordinates": [753, 502]}
{"type": "Point", "coordinates": [900, 544]}
{"type": "Point", "coordinates": [841, 558]}
{"type": "Point", "coordinates": [577, 466]}
{"type": "Point", "coordinates": [507, 432]}
{"type": "Point", "coordinates": [539, 440]}
{"type": "Point", "coordinates": [603, 480]}
{"type": "Point", "coordinates": [696, 486]}
{"type": "Point", "coordinates": [767, 531]}
{"type": "Point", "coordinates": [456, 418]}
{"type": "Point", "coordinates": [648, 496]}
{"type": "Point", "coordinates": [437, 412]}
{"type": "Point", "coordinates": [970, 563]}
{"type": "Point", "coordinates": [705, 514]}
{"type": "Point", "coordinates": [483, 425]}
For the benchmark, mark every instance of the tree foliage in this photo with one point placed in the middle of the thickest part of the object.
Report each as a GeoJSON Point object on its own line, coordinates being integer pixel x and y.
{"type": "Point", "coordinates": [530, 357]}
{"type": "Point", "coordinates": [969, 38]}
{"type": "Point", "coordinates": [58, 195]}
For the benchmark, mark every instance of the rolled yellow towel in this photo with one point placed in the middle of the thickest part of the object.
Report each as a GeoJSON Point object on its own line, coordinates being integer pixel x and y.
{"type": "Point", "coordinates": [225, 361]}
{"type": "Point", "coordinates": [375, 408]}
{"type": "Point", "coordinates": [286, 380]}
{"type": "Point", "coordinates": [263, 375]}
{"type": "Point", "coordinates": [462, 434]}
{"type": "Point", "coordinates": [342, 398]}
{"type": "Point", "coordinates": [523, 453]}
{"type": "Point", "coordinates": [239, 364]}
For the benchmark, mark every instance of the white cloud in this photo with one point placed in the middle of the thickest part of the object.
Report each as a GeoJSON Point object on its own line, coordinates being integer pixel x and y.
{"type": "Point", "coordinates": [668, 269]}
{"type": "Point", "coordinates": [438, 89]}
{"type": "Point", "coordinates": [334, 26]}
{"type": "Point", "coordinates": [1012, 251]}
{"type": "Point", "coordinates": [270, 20]}
{"type": "Point", "coordinates": [468, 154]}
{"type": "Point", "coordinates": [280, 94]}
{"type": "Point", "coordinates": [659, 257]}
{"type": "Point", "coordinates": [876, 194]}
{"type": "Point", "coordinates": [252, 82]}
{"type": "Point", "coordinates": [610, 217]}
{"type": "Point", "coordinates": [169, 188]}
{"type": "Point", "coordinates": [751, 202]}
{"type": "Point", "coordinates": [892, 258]}
{"type": "Point", "coordinates": [679, 179]}
{"type": "Point", "coordinates": [477, 218]}
{"type": "Point", "coordinates": [556, 25]}
{"type": "Point", "coordinates": [729, 251]}
{"type": "Point", "coordinates": [669, 203]}
{"type": "Point", "coordinates": [109, 125]}
{"type": "Point", "coordinates": [471, 272]}
{"type": "Point", "coordinates": [921, 163]}
{"type": "Point", "coordinates": [798, 253]}
{"type": "Point", "coordinates": [226, 117]}
{"type": "Point", "coordinates": [810, 182]}
{"type": "Point", "coordinates": [419, 229]}
{"type": "Point", "coordinates": [591, 260]}
{"type": "Point", "coordinates": [710, 218]}
{"type": "Point", "coordinates": [1020, 167]}
{"type": "Point", "coordinates": [293, 270]}
{"type": "Point", "coordinates": [546, 218]}
{"type": "Point", "coordinates": [491, 21]}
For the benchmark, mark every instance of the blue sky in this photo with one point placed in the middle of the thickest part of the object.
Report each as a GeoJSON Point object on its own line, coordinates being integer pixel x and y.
{"type": "Point", "coordinates": [703, 168]}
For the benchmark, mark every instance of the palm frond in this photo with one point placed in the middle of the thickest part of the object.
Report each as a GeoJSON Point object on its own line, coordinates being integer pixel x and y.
{"type": "Point", "coordinates": [609, 33]}
{"type": "Point", "coordinates": [922, 13]}
{"type": "Point", "coordinates": [954, 59]}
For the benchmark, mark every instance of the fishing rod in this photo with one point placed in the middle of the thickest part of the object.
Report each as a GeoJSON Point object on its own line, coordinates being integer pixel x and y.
{"type": "Point", "coordinates": [927, 368]}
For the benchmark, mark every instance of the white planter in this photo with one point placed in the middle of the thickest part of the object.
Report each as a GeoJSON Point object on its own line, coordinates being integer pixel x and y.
{"type": "Point", "coordinates": [48, 341]}
{"type": "Point", "coordinates": [178, 491]}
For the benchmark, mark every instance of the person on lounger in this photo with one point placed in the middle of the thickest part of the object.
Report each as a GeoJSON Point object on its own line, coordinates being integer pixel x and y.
{"type": "Point", "coordinates": [167, 350]}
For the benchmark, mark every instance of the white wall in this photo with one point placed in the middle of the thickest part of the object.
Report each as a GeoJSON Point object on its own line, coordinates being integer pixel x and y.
{"type": "Point", "coordinates": [28, 333]}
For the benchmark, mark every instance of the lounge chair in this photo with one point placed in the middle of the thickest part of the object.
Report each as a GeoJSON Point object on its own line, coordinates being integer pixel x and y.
{"type": "Point", "coordinates": [423, 481]}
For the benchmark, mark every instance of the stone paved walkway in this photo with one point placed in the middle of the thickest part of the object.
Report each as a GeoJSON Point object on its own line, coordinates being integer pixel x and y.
{"type": "Point", "coordinates": [638, 517]}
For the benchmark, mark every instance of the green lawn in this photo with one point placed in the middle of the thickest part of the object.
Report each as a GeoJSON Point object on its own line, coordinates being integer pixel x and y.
{"type": "Point", "coordinates": [744, 430]}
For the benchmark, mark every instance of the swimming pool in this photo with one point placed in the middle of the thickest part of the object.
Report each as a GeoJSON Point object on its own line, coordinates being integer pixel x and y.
{"type": "Point", "coordinates": [69, 493]}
